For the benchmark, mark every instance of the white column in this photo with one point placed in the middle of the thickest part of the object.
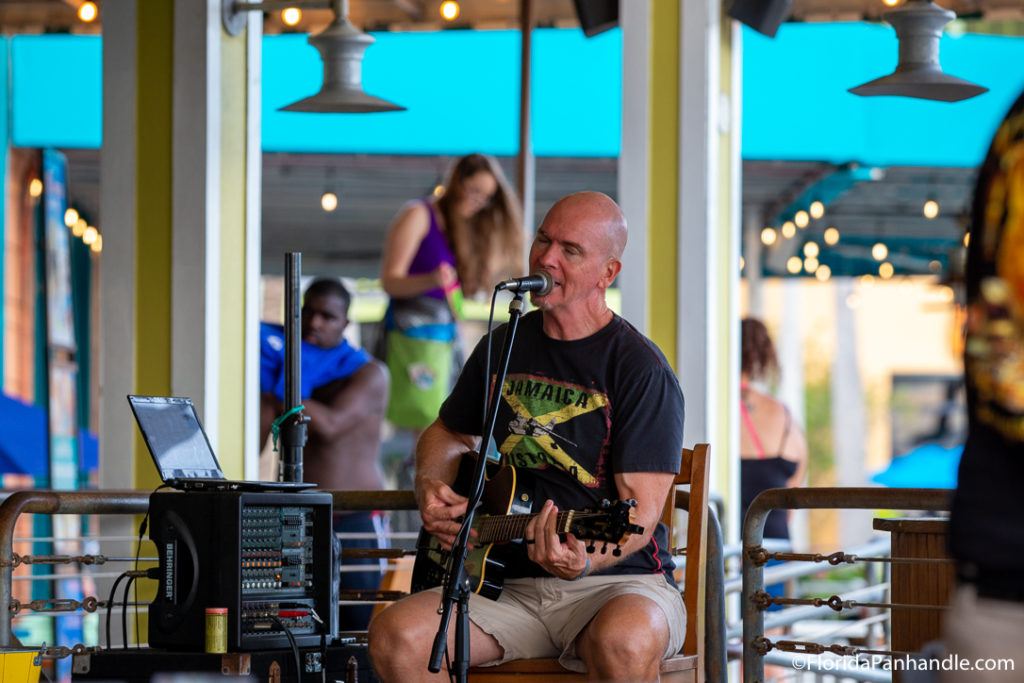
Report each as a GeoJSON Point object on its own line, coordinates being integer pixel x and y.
{"type": "Point", "coordinates": [790, 350]}
{"type": "Point", "coordinates": [195, 247]}
{"type": "Point", "coordinates": [849, 421]}
{"type": "Point", "coordinates": [634, 157]}
{"type": "Point", "coordinates": [698, 339]}
{"type": "Point", "coordinates": [730, 119]}
{"type": "Point", "coordinates": [253, 233]}
{"type": "Point", "coordinates": [754, 263]}
{"type": "Point", "coordinates": [117, 278]}
{"type": "Point", "coordinates": [792, 386]}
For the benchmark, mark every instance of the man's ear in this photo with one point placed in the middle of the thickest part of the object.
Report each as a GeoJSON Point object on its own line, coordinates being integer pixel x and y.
{"type": "Point", "coordinates": [611, 270]}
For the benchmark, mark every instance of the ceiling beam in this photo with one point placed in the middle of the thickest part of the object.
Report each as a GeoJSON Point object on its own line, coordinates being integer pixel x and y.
{"type": "Point", "coordinates": [413, 8]}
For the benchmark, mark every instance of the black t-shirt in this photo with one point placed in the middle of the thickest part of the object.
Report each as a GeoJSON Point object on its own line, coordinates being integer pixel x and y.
{"type": "Point", "coordinates": [575, 413]}
{"type": "Point", "coordinates": [987, 524]}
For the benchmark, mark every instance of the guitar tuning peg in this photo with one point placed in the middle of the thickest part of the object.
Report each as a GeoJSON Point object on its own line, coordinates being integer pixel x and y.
{"type": "Point", "coordinates": [617, 552]}
{"type": "Point", "coordinates": [631, 502]}
{"type": "Point", "coordinates": [590, 548]}
{"type": "Point", "coordinates": [604, 548]}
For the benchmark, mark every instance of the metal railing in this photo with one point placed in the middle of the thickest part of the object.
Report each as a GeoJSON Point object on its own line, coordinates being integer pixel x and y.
{"type": "Point", "coordinates": [754, 600]}
{"type": "Point", "coordinates": [53, 503]}
{"type": "Point", "coordinates": [137, 503]}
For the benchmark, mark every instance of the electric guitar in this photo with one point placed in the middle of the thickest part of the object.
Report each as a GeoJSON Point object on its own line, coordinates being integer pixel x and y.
{"type": "Point", "coordinates": [505, 510]}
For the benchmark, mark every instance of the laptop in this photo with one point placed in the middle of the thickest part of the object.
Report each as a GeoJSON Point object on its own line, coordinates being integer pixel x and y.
{"type": "Point", "coordinates": [181, 450]}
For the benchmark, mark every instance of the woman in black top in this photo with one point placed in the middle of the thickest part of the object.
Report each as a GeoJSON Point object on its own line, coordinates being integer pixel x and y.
{"type": "Point", "coordinates": [773, 451]}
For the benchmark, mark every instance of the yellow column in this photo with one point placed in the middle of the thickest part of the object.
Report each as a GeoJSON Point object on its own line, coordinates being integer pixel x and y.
{"type": "Point", "coordinates": [233, 265]}
{"type": "Point", "coordinates": [662, 257]}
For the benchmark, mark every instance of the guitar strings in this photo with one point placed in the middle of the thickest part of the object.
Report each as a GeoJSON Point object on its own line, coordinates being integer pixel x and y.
{"type": "Point", "coordinates": [508, 527]}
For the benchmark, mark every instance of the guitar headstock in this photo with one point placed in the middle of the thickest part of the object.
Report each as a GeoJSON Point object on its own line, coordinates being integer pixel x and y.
{"type": "Point", "coordinates": [612, 524]}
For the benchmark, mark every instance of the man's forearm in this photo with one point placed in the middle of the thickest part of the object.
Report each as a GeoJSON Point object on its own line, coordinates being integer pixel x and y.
{"type": "Point", "coordinates": [438, 452]}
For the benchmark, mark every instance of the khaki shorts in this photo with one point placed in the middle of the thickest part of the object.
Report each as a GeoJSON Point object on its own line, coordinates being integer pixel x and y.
{"type": "Point", "coordinates": [541, 617]}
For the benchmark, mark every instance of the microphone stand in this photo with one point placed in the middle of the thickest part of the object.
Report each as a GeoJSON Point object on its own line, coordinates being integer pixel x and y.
{"type": "Point", "coordinates": [293, 430]}
{"type": "Point", "coordinates": [456, 587]}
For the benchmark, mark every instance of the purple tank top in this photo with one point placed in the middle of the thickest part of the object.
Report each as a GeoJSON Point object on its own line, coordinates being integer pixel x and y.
{"type": "Point", "coordinates": [433, 251]}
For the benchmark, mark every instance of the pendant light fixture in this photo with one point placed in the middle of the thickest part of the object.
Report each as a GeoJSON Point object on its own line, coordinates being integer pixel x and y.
{"type": "Point", "coordinates": [341, 46]}
{"type": "Point", "coordinates": [918, 25]}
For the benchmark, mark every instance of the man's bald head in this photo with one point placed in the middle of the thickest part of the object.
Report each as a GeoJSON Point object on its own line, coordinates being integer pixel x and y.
{"type": "Point", "coordinates": [601, 210]}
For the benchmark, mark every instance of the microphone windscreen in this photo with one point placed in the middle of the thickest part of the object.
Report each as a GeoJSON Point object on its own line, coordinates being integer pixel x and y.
{"type": "Point", "coordinates": [549, 282]}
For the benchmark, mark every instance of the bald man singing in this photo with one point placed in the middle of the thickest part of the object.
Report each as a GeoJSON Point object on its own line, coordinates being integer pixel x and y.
{"type": "Point", "coordinates": [590, 410]}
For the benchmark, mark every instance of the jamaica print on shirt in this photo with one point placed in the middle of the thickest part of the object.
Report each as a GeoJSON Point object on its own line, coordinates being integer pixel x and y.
{"type": "Point", "coordinates": [554, 424]}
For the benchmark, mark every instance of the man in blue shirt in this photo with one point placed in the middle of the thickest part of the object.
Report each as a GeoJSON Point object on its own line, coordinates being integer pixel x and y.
{"type": "Point", "coordinates": [345, 394]}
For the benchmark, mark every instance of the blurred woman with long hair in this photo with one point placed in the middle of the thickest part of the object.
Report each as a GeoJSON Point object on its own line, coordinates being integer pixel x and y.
{"type": "Point", "coordinates": [438, 250]}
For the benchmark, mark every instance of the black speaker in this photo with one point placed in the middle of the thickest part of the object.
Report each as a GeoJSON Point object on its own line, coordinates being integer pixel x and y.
{"type": "Point", "coordinates": [597, 16]}
{"type": "Point", "coordinates": [764, 16]}
{"type": "Point", "coordinates": [267, 557]}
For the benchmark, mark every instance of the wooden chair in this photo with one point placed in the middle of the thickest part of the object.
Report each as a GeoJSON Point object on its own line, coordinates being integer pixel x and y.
{"type": "Point", "coordinates": [688, 666]}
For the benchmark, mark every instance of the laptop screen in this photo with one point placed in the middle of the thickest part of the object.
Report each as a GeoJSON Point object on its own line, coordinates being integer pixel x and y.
{"type": "Point", "coordinates": [175, 437]}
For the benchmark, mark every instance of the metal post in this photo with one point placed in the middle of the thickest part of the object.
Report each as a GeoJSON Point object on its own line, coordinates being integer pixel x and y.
{"type": "Point", "coordinates": [293, 431]}
{"type": "Point", "coordinates": [525, 163]}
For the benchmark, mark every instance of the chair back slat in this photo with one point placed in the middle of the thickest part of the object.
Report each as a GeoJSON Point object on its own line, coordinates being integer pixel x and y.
{"type": "Point", "coordinates": [696, 546]}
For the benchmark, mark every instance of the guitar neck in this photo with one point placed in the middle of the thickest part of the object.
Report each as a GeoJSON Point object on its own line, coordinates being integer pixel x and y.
{"type": "Point", "coordinates": [504, 528]}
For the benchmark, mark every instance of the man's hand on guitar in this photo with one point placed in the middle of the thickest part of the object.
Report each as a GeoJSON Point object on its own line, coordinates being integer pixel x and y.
{"type": "Point", "coordinates": [565, 559]}
{"type": "Point", "coordinates": [441, 509]}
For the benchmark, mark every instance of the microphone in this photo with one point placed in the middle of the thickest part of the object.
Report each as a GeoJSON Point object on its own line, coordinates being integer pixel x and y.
{"type": "Point", "coordinates": [540, 282]}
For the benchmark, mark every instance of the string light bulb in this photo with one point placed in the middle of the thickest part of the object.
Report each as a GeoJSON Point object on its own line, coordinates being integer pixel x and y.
{"type": "Point", "coordinates": [769, 236]}
{"type": "Point", "coordinates": [449, 10]}
{"type": "Point", "coordinates": [810, 264]}
{"type": "Point", "coordinates": [87, 11]}
{"type": "Point", "coordinates": [329, 201]}
{"type": "Point", "coordinates": [35, 188]}
{"type": "Point", "coordinates": [811, 250]}
{"type": "Point", "coordinates": [967, 239]}
{"type": "Point", "coordinates": [78, 229]}
{"type": "Point", "coordinates": [831, 236]}
{"type": "Point", "coordinates": [801, 219]}
{"type": "Point", "coordinates": [291, 16]}
{"type": "Point", "coordinates": [930, 209]}
{"type": "Point", "coordinates": [97, 245]}
{"type": "Point", "coordinates": [886, 270]}
{"type": "Point", "coordinates": [70, 218]}
{"type": "Point", "coordinates": [794, 265]}
{"type": "Point", "coordinates": [788, 229]}
{"type": "Point", "coordinates": [823, 273]}
{"type": "Point", "coordinates": [438, 190]}
{"type": "Point", "coordinates": [817, 209]}
{"type": "Point", "coordinates": [879, 251]}
{"type": "Point", "coordinates": [90, 235]}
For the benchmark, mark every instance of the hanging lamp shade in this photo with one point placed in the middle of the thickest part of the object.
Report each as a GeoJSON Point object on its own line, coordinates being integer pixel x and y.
{"type": "Point", "coordinates": [341, 46]}
{"type": "Point", "coordinates": [918, 26]}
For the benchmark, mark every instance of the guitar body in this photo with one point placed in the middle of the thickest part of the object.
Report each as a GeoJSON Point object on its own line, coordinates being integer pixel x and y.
{"type": "Point", "coordinates": [485, 563]}
{"type": "Point", "coordinates": [505, 511]}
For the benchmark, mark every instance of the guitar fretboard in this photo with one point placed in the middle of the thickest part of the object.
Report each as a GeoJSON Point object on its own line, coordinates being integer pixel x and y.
{"type": "Point", "coordinates": [504, 528]}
